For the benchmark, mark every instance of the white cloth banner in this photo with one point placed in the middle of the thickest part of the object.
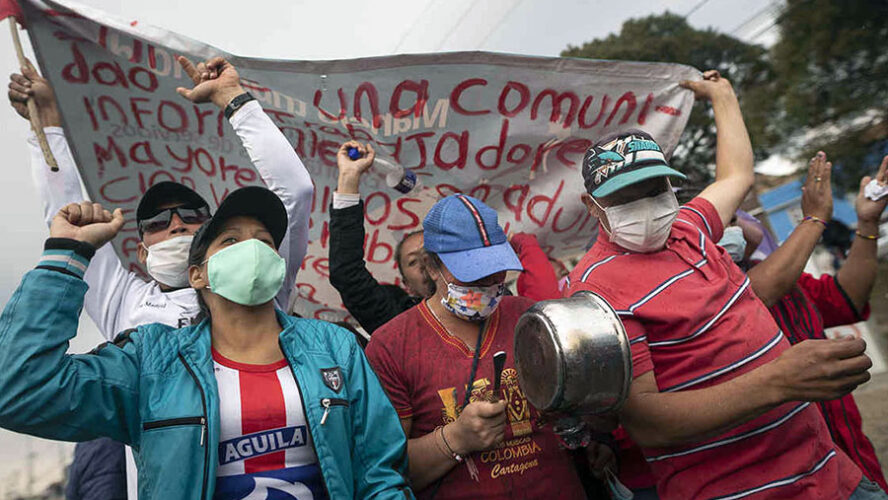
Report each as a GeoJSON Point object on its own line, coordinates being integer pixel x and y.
{"type": "Point", "coordinates": [509, 130]}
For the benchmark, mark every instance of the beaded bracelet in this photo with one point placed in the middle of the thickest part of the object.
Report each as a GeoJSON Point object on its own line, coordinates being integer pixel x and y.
{"type": "Point", "coordinates": [454, 455]}
{"type": "Point", "coordinates": [815, 219]}
{"type": "Point", "coordinates": [867, 236]}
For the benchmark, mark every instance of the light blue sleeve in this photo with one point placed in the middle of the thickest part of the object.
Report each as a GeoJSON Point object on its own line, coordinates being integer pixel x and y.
{"type": "Point", "coordinates": [50, 394]}
{"type": "Point", "coordinates": [379, 445]}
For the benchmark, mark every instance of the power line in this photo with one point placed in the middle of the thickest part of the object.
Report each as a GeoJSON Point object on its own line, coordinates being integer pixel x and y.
{"type": "Point", "coordinates": [409, 30]}
{"type": "Point", "coordinates": [501, 21]}
{"type": "Point", "coordinates": [459, 21]}
{"type": "Point", "coordinates": [757, 14]}
{"type": "Point", "coordinates": [779, 17]}
{"type": "Point", "coordinates": [701, 3]}
{"type": "Point", "coordinates": [765, 29]}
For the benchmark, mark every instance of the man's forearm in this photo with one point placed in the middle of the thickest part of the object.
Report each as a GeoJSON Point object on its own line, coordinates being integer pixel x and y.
{"type": "Point", "coordinates": [284, 173]}
{"type": "Point", "coordinates": [733, 156]}
{"type": "Point", "coordinates": [664, 419]}
{"type": "Point", "coordinates": [773, 277]}
{"type": "Point", "coordinates": [427, 460]}
{"type": "Point", "coordinates": [56, 189]}
{"type": "Point", "coordinates": [733, 159]}
{"type": "Point", "coordinates": [858, 274]}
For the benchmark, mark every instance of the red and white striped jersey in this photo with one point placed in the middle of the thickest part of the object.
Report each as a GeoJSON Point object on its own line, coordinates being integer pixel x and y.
{"type": "Point", "coordinates": [265, 448]}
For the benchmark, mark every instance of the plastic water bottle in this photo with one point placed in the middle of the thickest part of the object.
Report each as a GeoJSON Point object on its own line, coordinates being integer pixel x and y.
{"type": "Point", "coordinates": [397, 177]}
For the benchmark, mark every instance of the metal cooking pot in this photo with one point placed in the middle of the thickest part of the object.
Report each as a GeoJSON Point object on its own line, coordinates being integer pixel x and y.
{"type": "Point", "coordinates": [572, 356]}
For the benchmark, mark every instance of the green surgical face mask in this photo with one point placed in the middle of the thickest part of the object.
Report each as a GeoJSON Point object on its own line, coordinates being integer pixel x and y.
{"type": "Point", "coordinates": [249, 273]}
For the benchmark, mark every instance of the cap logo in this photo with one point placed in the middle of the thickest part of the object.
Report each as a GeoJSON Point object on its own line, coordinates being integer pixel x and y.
{"type": "Point", "coordinates": [612, 157]}
{"type": "Point", "coordinates": [477, 217]}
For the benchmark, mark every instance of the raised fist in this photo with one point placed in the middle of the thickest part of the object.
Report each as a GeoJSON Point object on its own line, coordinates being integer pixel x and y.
{"type": "Point", "coordinates": [88, 222]}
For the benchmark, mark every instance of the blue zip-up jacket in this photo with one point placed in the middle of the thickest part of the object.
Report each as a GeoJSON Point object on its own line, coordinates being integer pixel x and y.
{"type": "Point", "coordinates": [154, 389]}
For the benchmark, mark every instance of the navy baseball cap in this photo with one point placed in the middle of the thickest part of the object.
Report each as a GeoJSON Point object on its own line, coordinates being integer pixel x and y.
{"type": "Point", "coordinates": [465, 234]}
{"type": "Point", "coordinates": [251, 201]}
{"type": "Point", "coordinates": [623, 159]}
{"type": "Point", "coordinates": [167, 192]}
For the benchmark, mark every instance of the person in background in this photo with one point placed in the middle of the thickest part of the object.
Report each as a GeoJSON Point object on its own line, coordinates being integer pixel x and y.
{"type": "Point", "coordinates": [98, 471]}
{"type": "Point", "coordinates": [538, 281]}
{"type": "Point", "coordinates": [719, 403]}
{"type": "Point", "coordinates": [370, 303]}
{"type": "Point", "coordinates": [435, 362]}
{"type": "Point", "coordinates": [804, 306]}
{"type": "Point", "coordinates": [168, 213]}
{"type": "Point", "coordinates": [248, 402]}
{"type": "Point", "coordinates": [373, 304]}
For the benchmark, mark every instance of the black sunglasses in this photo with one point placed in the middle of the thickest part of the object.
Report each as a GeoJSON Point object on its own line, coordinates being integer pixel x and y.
{"type": "Point", "coordinates": [162, 219]}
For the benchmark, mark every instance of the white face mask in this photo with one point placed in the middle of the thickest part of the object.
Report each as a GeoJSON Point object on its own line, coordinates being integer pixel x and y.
{"type": "Point", "coordinates": [734, 243]}
{"type": "Point", "coordinates": [642, 225]}
{"type": "Point", "coordinates": [168, 261]}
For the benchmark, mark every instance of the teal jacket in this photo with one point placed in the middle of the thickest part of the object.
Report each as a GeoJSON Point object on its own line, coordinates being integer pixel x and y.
{"type": "Point", "coordinates": [154, 389]}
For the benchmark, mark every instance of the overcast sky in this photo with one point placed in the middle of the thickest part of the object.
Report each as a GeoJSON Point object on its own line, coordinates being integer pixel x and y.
{"type": "Point", "coordinates": [301, 29]}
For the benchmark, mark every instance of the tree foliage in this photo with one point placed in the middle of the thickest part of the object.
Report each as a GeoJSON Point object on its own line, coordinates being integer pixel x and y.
{"type": "Point", "coordinates": [831, 69]}
{"type": "Point", "coordinates": [669, 38]}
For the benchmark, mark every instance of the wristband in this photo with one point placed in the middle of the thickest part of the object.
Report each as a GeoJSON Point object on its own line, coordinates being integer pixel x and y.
{"type": "Point", "coordinates": [815, 219]}
{"type": "Point", "coordinates": [237, 103]}
{"type": "Point", "coordinates": [438, 445]}
{"type": "Point", "coordinates": [454, 455]}
{"type": "Point", "coordinates": [867, 236]}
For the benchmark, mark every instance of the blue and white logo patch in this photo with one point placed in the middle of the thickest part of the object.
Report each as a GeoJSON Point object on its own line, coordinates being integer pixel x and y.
{"type": "Point", "coordinates": [262, 443]}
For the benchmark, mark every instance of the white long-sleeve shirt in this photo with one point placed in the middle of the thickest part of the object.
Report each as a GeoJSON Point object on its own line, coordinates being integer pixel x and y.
{"type": "Point", "coordinates": [117, 299]}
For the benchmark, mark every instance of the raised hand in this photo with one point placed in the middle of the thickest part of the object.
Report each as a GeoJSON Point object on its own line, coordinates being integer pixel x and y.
{"type": "Point", "coordinates": [215, 81]}
{"type": "Point", "coordinates": [29, 84]}
{"type": "Point", "coordinates": [867, 209]}
{"type": "Point", "coordinates": [712, 86]}
{"type": "Point", "coordinates": [350, 171]}
{"type": "Point", "coordinates": [480, 426]}
{"type": "Point", "coordinates": [88, 222]}
{"type": "Point", "coordinates": [817, 199]}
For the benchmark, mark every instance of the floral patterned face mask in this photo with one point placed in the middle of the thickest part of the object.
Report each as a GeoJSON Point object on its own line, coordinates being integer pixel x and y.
{"type": "Point", "coordinates": [473, 303]}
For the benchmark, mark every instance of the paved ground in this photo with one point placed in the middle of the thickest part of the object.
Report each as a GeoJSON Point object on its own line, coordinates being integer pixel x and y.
{"type": "Point", "coordinates": [872, 399]}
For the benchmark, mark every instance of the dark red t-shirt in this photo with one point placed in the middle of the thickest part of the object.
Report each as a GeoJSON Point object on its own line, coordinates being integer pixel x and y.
{"type": "Point", "coordinates": [425, 370]}
{"type": "Point", "coordinates": [693, 319]}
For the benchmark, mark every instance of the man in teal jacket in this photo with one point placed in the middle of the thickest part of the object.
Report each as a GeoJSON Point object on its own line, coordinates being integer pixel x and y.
{"type": "Point", "coordinates": [154, 387]}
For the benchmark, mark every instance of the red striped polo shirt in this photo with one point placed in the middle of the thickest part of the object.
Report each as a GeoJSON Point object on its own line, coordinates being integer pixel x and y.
{"type": "Point", "coordinates": [693, 319]}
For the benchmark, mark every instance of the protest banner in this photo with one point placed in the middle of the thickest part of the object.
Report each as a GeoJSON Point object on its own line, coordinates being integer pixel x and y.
{"type": "Point", "coordinates": [509, 130]}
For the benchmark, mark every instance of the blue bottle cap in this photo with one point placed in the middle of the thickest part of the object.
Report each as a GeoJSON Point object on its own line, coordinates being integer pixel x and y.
{"type": "Point", "coordinates": [354, 154]}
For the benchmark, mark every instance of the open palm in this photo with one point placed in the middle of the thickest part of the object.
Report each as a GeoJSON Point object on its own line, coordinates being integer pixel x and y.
{"type": "Point", "coordinates": [868, 209]}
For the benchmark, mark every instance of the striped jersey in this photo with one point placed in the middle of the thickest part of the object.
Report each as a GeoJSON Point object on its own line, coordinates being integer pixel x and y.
{"type": "Point", "coordinates": [265, 448]}
{"type": "Point", "coordinates": [693, 319]}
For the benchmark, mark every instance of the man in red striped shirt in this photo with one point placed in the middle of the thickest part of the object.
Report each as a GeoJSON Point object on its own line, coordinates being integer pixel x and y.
{"type": "Point", "coordinates": [804, 305]}
{"type": "Point", "coordinates": [719, 402]}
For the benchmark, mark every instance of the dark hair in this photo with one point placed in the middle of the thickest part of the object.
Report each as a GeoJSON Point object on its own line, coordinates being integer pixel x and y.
{"type": "Point", "coordinates": [399, 247]}
{"type": "Point", "coordinates": [837, 236]}
{"type": "Point", "coordinates": [436, 261]}
{"type": "Point", "coordinates": [196, 255]}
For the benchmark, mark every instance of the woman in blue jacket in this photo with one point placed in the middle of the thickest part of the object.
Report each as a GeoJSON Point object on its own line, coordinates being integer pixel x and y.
{"type": "Point", "coordinates": [247, 404]}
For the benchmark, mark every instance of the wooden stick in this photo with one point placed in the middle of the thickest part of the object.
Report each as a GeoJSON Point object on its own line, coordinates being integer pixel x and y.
{"type": "Point", "coordinates": [33, 113]}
